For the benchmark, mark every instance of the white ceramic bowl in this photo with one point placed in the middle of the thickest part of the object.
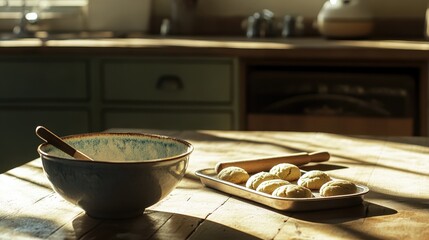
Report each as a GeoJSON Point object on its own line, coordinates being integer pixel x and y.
{"type": "Point", "coordinates": [130, 173]}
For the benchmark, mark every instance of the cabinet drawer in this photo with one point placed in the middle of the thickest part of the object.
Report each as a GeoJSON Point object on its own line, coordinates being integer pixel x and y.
{"type": "Point", "coordinates": [162, 80]}
{"type": "Point", "coordinates": [43, 80]}
{"type": "Point", "coordinates": [169, 120]}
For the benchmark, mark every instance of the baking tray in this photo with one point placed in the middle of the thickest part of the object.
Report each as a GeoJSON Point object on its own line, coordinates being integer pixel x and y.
{"type": "Point", "coordinates": [209, 178]}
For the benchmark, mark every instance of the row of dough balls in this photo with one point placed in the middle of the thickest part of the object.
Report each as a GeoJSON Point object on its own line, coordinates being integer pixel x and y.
{"type": "Point", "coordinates": [277, 181]}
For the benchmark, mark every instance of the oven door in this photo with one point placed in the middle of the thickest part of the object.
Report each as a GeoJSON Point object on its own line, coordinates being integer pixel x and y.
{"type": "Point", "coordinates": [348, 100]}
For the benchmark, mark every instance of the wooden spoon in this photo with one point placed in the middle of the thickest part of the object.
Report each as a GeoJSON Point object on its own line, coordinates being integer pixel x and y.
{"type": "Point", "coordinates": [264, 164]}
{"type": "Point", "coordinates": [49, 137]}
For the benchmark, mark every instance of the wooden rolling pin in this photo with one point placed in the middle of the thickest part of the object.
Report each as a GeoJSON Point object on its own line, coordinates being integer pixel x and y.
{"type": "Point", "coordinates": [264, 164]}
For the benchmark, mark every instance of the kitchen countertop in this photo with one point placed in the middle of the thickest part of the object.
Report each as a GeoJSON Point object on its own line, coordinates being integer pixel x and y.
{"type": "Point", "coordinates": [394, 168]}
{"type": "Point", "coordinates": [226, 47]}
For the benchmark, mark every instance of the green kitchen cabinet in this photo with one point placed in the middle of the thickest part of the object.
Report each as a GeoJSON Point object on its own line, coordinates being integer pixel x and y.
{"type": "Point", "coordinates": [43, 79]}
{"type": "Point", "coordinates": [165, 80]}
{"type": "Point", "coordinates": [50, 91]}
{"type": "Point", "coordinates": [78, 94]}
{"type": "Point", "coordinates": [169, 93]}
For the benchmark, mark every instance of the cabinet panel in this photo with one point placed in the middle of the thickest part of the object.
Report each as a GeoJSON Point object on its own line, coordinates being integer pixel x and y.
{"type": "Point", "coordinates": [169, 120]}
{"type": "Point", "coordinates": [43, 80]}
{"type": "Point", "coordinates": [164, 80]}
{"type": "Point", "coordinates": [19, 142]}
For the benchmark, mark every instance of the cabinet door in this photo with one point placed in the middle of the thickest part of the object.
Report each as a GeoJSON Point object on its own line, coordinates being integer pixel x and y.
{"type": "Point", "coordinates": [168, 80]}
{"type": "Point", "coordinates": [175, 120]}
{"type": "Point", "coordinates": [19, 142]}
{"type": "Point", "coordinates": [41, 79]}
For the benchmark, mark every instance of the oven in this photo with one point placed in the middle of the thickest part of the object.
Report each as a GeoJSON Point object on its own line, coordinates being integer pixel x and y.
{"type": "Point", "coordinates": [369, 99]}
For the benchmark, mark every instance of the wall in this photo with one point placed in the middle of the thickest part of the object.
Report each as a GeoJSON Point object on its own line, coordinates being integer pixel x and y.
{"type": "Point", "coordinates": [306, 8]}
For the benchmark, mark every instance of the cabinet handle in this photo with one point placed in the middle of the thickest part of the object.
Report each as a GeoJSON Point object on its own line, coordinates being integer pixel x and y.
{"type": "Point", "coordinates": [169, 82]}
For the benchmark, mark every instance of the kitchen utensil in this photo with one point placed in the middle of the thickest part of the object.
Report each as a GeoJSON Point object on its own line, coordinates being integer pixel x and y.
{"type": "Point", "coordinates": [49, 137]}
{"type": "Point", "coordinates": [263, 164]}
{"type": "Point", "coordinates": [291, 25]}
{"type": "Point", "coordinates": [132, 172]}
{"type": "Point", "coordinates": [260, 24]}
{"type": "Point", "coordinates": [183, 17]}
{"type": "Point", "coordinates": [345, 19]}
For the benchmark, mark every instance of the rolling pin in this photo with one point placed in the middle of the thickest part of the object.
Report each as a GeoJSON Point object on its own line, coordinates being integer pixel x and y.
{"type": "Point", "coordinates": [264, 164]}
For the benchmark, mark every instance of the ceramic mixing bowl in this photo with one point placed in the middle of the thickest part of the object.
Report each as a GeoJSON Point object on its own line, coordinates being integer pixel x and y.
{"type": "Point", "coordinates": [130, 173]}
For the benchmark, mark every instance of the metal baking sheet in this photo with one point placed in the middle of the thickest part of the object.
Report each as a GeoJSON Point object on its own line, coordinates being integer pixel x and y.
{"type": "Point", "coordinates": [209, 178]}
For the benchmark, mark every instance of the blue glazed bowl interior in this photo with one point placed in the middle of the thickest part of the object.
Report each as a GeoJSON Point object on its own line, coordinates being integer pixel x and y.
{"type": "Point", "coordinates": [122, 147]}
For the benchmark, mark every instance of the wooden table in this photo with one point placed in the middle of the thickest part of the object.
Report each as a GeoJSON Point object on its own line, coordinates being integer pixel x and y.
{"type": "Point", "coordinates": [395, 169]}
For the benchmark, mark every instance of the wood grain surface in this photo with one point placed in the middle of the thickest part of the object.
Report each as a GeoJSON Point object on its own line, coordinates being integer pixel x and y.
{"type": "Point", "coordinates": [395, 169]}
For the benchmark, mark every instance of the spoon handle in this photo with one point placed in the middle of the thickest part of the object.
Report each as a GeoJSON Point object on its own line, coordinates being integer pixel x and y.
{"type": "Point", "coordinates": [56, 141]}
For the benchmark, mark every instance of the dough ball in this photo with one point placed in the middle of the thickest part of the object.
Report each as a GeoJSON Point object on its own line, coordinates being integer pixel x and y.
{"type": "Point", "coordinates": [256, 179]}
{"type": "Point", "coordinates": [271, 185]}
{"type": "Point", "coordinates": [337, 187]}
{"type": "Point", "coordinates": [292, 191]}
{"type": "Point", "coordinates": [234, 175]}
{"type": "Point", "coordinates": [313, 179]}
{"type": "Point", "coordinates": [286, 171]}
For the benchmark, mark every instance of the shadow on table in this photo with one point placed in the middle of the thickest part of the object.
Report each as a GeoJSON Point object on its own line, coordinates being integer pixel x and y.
{"type": "Point", "coordinates": [341, 215]}
{"type": "Point", "coordinates": [322, 167]}
{"type": "Point", "coordinates": [332, 215]}
{"type": "Point", "coordinates": [154, 225]}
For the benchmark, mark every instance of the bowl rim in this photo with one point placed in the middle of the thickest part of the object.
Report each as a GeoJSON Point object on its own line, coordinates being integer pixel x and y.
{"type": "Point", "coordinates": [50, 157]}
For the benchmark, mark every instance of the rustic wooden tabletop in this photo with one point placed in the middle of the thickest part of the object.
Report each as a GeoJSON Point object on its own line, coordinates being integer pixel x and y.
{"type": "Point", "coordinates": [395, 169]}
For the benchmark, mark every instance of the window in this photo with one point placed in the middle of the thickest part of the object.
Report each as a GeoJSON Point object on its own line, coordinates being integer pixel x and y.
{"type": "Point", "coordinates": [14, 8]}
